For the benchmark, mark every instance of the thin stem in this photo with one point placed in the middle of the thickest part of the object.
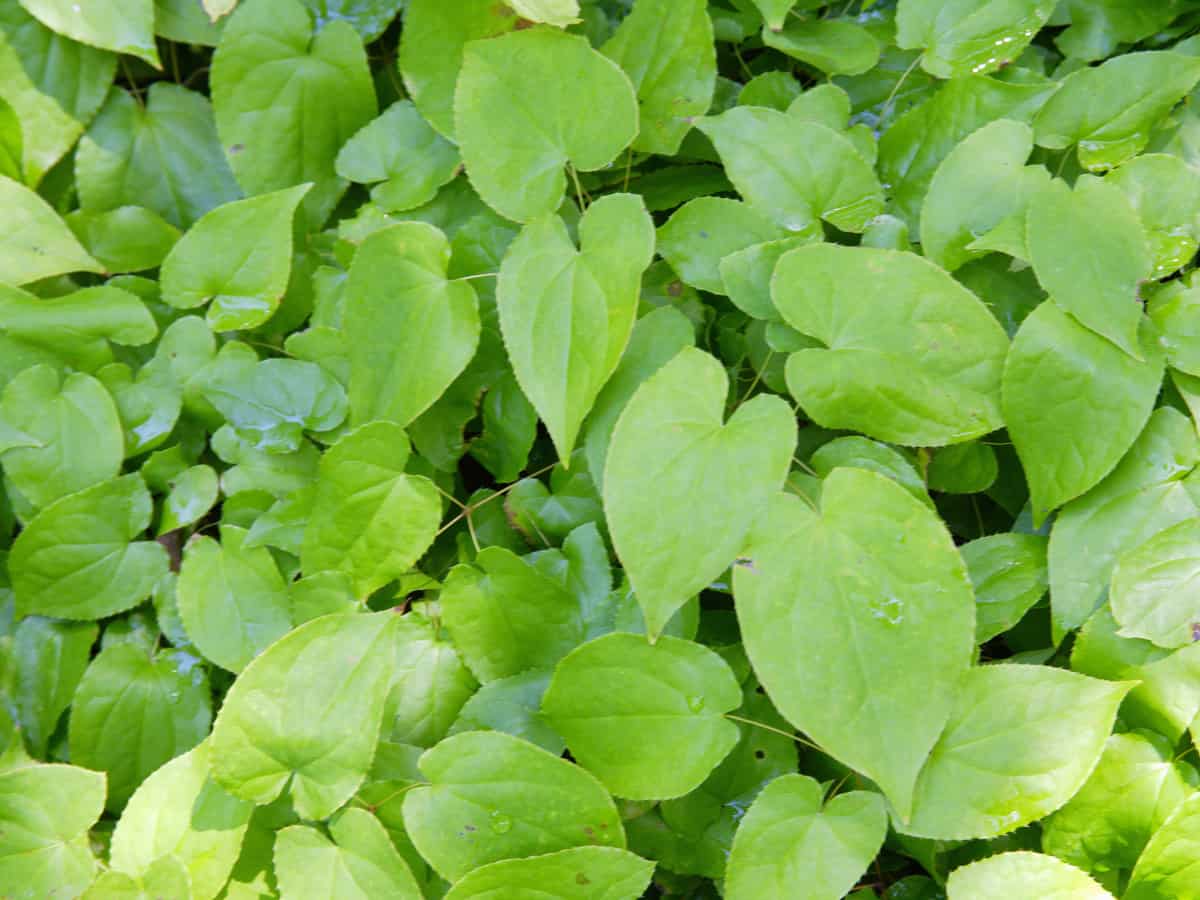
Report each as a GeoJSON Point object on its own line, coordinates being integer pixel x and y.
{"type": "Point", "coordinates": [471, 531]}
{"type": "Point", "coordinates": [757, 377]}
{"type": "Point", "coordinates": [174, 62]}
{"type": "Point", "coordinates": [795, 489]}
{"type": "Point", "coordinates": [805, 466]}
{"type": "Point", "coordinates": [779, 731]}
{"type": "Point", "coordinates": [887, 104]}
{"type": "Point", "coordinates": [579, 194]}
{"type": "Point", "coordinates": [133, 87]}
{"type": "Point", "coordinates": [473, 277]}
{"type": "Point", "coordinates": [628, 169]}
{"type": "Point", "coordinates": [371, 807]}
{"type": "Point", "coordinates": [462, 515]}
{"type": "Point", "coordinates": [449, 496]}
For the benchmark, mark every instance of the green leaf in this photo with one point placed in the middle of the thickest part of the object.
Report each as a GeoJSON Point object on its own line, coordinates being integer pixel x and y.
{"type": "Point", "coordinates": [1062, 381]}
{"type": "Point", "coordinates": [869, 664]}
{"type": "Point", "coordinates": [34, 242]}
{"type": "Point", "coordinates": [411, 331]}
{"type": "Point", "coordinates": [430, 684]}
{"type": "Point", "coordinates": [431, 50]}
{"type": "Point", "coordinates": [273, 402]}
{"type": "Point", "coordinates": [370, 519]}
{"type": "Point", "coordinates": [835, 46]}
{"type": "Point", "coordinates": [73, 437]}
{"type": "Point", "coordinates": [360, 861]}
{"type": "Point", "coordinates": [682, 486]}
{"type": "Point", "coordinates": [45, 814]}
{"type": "Point", "coordinates": [1165, 193]}
{"type": "Point", "coordinates": [963, 468]}
{"type": "Point", "coordinates": [797, 172]}
{"type": "Point", "coordinates": [239, 257]}
{"type": "Point", "coordinates": [922, 368]}
{"type": "Point", "coordinates": [132, 713]}
{"type": "Point", "coordinates": [581, 873]}
{"type": "Point", "coordinates": [1166, 870]}
{"type": "Point", "coordinates": [506, 616]}
{"type": "Point", "coordinates": [369, 17]}
{"type": "Point", "coordinates": [164, 156]}
{"type": "Point", "coordinates": [1097, 26]}
{"type": "Point", "coordinates": [567, 314]}
{"type": "Point", "coordinates": [401, 155]}
{"type": "Point", "coordinates": [1000, 877]}
{"type": "Point", "coordinates": [1173, 309]}
{"type": "Point", "coordinates": [165, 878]}
{"type": "Point", "coordinates": [1144, 495]}
{"type": "Point", "coordinates": [122, 27]}
{"type": "Point", "coordinates": [863, 453]}
{"type": "Point", "coordinates": [1108, 110]}
{"type": "Point", "coordinates": [125, 239]}
{"type": "Point", "coordinates": [180, 812]}
{"type": "Point", "coordinates": [559, 13]}
{"type": "Point", "coordinates": [981, 183]}
{"type": "Point", "coordinates": [514, 150]}
{"type": "Point", "coordinates": [512, 705]}
{"type": "Point", "coordinates": [194, 492]}
{"type": "Point", "coordinates": [746, 276]}
{"type": "Point", "coordinates": [286, 100]}
{"type": "Point", "coordinates": [1134, 788]}
{"type": "Point", "coordinates": [1089, 251]}
{"type": "Point", "coordinates": [1009, 574]}
{"type": "Point", "coordinates": [1152, 587]}
{"type": "Point", "coordinates": [792, 837]}
{"type": "Point", "coordinates": [512, 798]}
{"type": "Point", "coordinates": [969, 36]}
{"type": "Point", "coordinates": [669, 697]}
{"type": "Point", "coordinates": [233, 601]}
{"type": "Point", "coordinates": [48, 659]}
{"type": "Point", "coordinates": [306, 714]}
{"type": "Point", "coordinates": [704, 231]}
{"type": "Point", "coordinates": [1020, 742]}
{"type": "Point", "coordinates": [666, 49]}
{"type": "Point", "coordinates": [77, 559]}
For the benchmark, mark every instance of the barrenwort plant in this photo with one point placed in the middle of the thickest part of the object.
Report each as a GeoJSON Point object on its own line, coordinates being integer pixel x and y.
{"type": "Point", "coordinates": [599, 449]}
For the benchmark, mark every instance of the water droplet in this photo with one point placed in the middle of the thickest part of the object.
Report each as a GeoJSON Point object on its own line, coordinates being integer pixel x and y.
{"type": "Point", "coordinates": [501, 823]}
{"type": "Point", "coordinates": [695, 704]}
{"type": "Point", "coordinates": [887, 609]}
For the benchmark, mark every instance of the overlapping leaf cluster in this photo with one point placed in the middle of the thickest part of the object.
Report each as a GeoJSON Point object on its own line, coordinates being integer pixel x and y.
{"type": "Point", "coordinates": [599, 449]}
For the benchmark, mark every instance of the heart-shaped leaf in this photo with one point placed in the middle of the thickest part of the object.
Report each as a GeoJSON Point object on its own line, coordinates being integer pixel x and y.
{"type": "Point", "coordinates": [1022, 873]}
{"type": "Point", "coordinates": [581, 873]}
{"type": "Point", "coordinates": [966, 37]}
{"type": "Point", "coordinates": [34, 242]}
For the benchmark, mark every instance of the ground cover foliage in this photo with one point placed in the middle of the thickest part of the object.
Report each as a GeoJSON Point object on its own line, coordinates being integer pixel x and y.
{"type": "Point", "coordinates": [599, 450]}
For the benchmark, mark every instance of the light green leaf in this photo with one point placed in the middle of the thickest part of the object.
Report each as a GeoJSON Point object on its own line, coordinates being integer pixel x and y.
{"type": "Point", "coordinates": [514, 799]}
{"type": "Point", "coordinates": [1167, 868]}
{"type": "Point", "coordinates": [233, 601]}
{"type": "Point", "coordinates": [45, 814]}
{"type": "Point", "coordinates": [1020, 742]}
{"type": "Point", "coordinates": [1153, 587]}
{"type": "Point", "coordinates": [239, 257]}
{"type": "Point", "coordinates": [360, 861]}
{"type": "Point", "coordinates": [286, 100]}
{"type": "Point", "coordinates": [125, 239]}
{"type": "Point", "coordinates": [430, 683]}
{"type": "Point", "coordinates": [1098, 26]}
{"type": "Point", "coordinates": [922, 367]}
{"type": "Point", "coordinates": [797, 172]}
{"type": "Point", "coordinates": [401, 155]}
{"type": "Point", "coordinates": [273, 402]}
{"type": "Point", "coordinates": [704, 231]}
{"type": "Point", "coordinates": [148, 408]}
{"type": "Point", "coordinates": [1144, 495]}
{"type": "Point", "coordinates": [165, 878]}
{"type": "Point", "coordinates": [791, 838]}
{"type": "Point", "coordinates": [186, 22]}
{"type": "Point", "coordinates": [1108, 110]}
{"type": "Point", "coordinates": [122, 26]}
{"type": "Point", "coordinates": [370, 519]}
{"type": "Point", "coordinates": [48, 659]}
{"type": "Point", "coordinates": [431, 50]}
{"type": "Point", "coordinates": [666, 49]}
{"type": "Point", "coordinates": [581, 873]}
{"type": "Point", "coordinates": [73, 435]}
{"type": "Point", "coordinates": [514, 149]}
{"type": "Point", "coordinates": [567, 314]}
{"type": "Point", "coordinates": [982, 182]}
{"type": "Point", "coordinates": [1175, 309]}
{"type": "Point", "coordinates": [1062, 381]}
{"type": "Point", "coordinates": [1021, 873]}
{"type": "Point", "coordinates": [1134, 788]}
{"type": "Point", "coordinates": [682, 486]}
{"type": "Point", "coordinates": [193, 493]}
{"type": "Point", "coordinates": [1165, 193]}
{"type": "Point", "coordinates": [512, 705]}
{"type": "Point", "coordinates": [669, 698]}
{"type": "Point", "coordinates": [1089, 251]}
{"type": "Point", "coordinates": [164, 156]}
{"type": "Point", "coordinates": [411, 331]}
{"type": "Point", "coordinates": [835, 46]}
{"type": "Point", "coordinates": [506, 616]}
{"type": "Point", "coordinates": [746, 276]}
{"type": "Point", "coordinates": [181, 813]}
{"type": "Point", "coordinates": [132, 713]}
{"type": "Point", "coordinates": [559, 13]}
{"type": "Point", "coordinates": [1009, 574]}
{"type": "Point", "coordinates": [306, 713]}
{"type": "Point", "coordinates": [77, 559]}
{"type": "Point", "coordinates": [869, 664]}
{"type": "Point", "coordinates": [968, 468]}
{"type": "Point", "coordinates": [969, 36]}
{"type": "Point", "coordinates": [34, 242]}
{"type": "Point", "coordinates": [864, 453]}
